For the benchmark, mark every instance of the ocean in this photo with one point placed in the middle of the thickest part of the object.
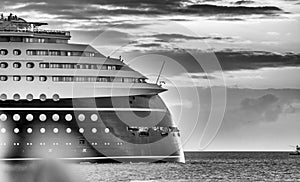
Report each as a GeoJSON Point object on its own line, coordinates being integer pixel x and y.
{"type": "Point", "coordinates": [199, 166]}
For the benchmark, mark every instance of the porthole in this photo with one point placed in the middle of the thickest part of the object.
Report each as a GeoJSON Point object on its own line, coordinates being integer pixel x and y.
{"type": "Point", "coordinates": [94, 117]}
{"type": "Point", "coordinates": [3, 65]}
{"type": "Point", "coordinates": [68, 117]}
{"type": "Point", "coordinates": [43, 117]}
{"type": "Point", "coordinates": [3, 52]}
{"type": "Point", "coordinates": [29, 78]}
{"type": "Point", "coordinates": [16, 130]}
{"type": "Point", "coordinates": [3, 130]}
{"type": "Point", "coordinates": [81, 117]}
{"type": "Point", "coordinates": [43, 97]}
{"type": "Point", "coordinates": [55, 117]}
{"type": "Point", "coordinates": [68, 130]}
{"type": "Point", "coordinates": [42, 130]}
{"type": "Point", "coordinates": [17, 52]}
{"type": "Point", "coordinates": [29, 97]}
{"type": "Point", "coordinates": [81, 130]}
{"type": "Point", "coordinates": [29, 130]}
{"type": "Point", "coordinates": [3, 117]}
{"type": "Point", "coordinates": [29, 117]}
{"type": "Point", "coordinates": [17, 65]}
{"type": "Point", "coordinates": [43, 78]}
{"type": "Point", "coordinates": [106, 130]}
{"type": "Point", "coordinates": [3, 97]}
{"type": "Point", "coordinates": [94, 130]}
{"type": "Point", "coordinates": [55, 130]}
{"type": "Point", "coordinates": [16, 117]}
{"type": "Point", "coordinates": [16, 78]}
{"type": "Point", "coordinates": [16, 97]}
{"type": "Point", "coordinates": [3, 78]}
{"type": "Point", "coordinates": [30, 65]}
{"type": "Point", "coordinates": [55, 97]}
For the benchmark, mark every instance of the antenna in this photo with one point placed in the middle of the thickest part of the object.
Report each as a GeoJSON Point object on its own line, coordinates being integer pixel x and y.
{"type": "Point", "coordinates": [162, 66]}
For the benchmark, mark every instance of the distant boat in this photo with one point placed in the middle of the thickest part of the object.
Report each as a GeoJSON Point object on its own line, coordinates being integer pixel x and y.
{"type": "Point", "coordinates": [296, 152]}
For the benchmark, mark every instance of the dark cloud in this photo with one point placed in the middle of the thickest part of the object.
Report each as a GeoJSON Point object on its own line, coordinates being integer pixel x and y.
{"type": "Point", "coordinates": [174, 37]}
{"type": "Point", "coordinates": [148, 45]}
{"type": "Point", "coordinates": [244, 2]}
{"type": "Point", "coordinates": [206, 77]}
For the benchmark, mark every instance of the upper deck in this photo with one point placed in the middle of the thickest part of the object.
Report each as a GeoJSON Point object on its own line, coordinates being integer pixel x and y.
{"type": "Point", "coordinates": [18, 27]}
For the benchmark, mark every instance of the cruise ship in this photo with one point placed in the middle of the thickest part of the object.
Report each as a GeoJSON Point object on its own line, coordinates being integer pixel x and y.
{"type": "Point", "coordinates": [70, 102]}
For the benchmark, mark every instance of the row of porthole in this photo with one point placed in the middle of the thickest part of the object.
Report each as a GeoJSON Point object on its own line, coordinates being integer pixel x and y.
{"type": "Point", "coordinates": [55, 117]}
{"type": "Point", "coordinates": [29, 78]}
{"type": "Point", "coordinates": [55, 130]}
{"type": "Point", "coordinates": [16, 52]}
{"type": "Point", "coordinates": [29, 97]}
{"type": "Point", "coordinates": [16, 65]}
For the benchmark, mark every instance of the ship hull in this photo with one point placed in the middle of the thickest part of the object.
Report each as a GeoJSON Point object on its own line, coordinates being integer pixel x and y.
{"type": "Point", "coordinates": [102, 129]}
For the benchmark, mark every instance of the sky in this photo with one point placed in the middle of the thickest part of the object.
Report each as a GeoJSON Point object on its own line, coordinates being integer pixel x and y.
{"type": "Point", "coordinates": [232, 67]}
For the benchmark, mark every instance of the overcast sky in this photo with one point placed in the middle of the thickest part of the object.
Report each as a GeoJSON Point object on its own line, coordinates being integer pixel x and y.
{"type": "Point", "coordinates": [232, 66]}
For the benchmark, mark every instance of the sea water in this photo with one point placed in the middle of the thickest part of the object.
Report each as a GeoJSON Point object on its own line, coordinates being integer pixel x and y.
{"type": "Point", "coordinates": [199, 166]}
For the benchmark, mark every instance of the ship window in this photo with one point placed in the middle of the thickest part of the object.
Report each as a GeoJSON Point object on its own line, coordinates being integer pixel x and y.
{"type": "Point", "coordinates": [16, 117]}
{"type": "Point", "coordinates": [68, 117]}
{"type": "Point", "coordinates": [42, 130]}
{"type": "Point", "coordinates": [16, 97]}
{"type": "Point", "coordinates": [17, 65]}
{"type": "Point", "coordinates": [29, 97]}
{"type": "Point", "coordinates": [29, 117]}
{"type": "Point", "coordinates": [3, 78]}
{"type": "Point", "coordinates": [29, 130]}
{"type": "Point", "coordinates": [81, 117]}
{"type": "Point", "coordinates": [43, 117]}
{"type": "Point", "coordinates": [16, 78]}
{"type": "Point", "coordinates": [17, 52]}
{"type": "Point", "coordinates": [81, 130]}
{"type": "Point", "coordinates": [55, 130]}
{"type": "Point", "coordinates": [81, 142]}
{"type": "Point", "coordinates": [29, 78]}
{"type": "Point", "coordinates": [44, 65]}
{"type": "Point", "coordinates": [55, 97]}
{"type": "Point", "coordinates": [30, 65]}
{"type": "Point", "coordinates": [106, 130]}
{"type": "Point", "coordinates": [3, 97]}
{"type": "Point", "coordinates": [55, 117]}
{"type": "Point", "coordinates": [16, 130]}
{"type": "Point", "coordinates": [94, 130]}
{"type": "Point", "coordinates": [94, 117]}
{"type": "Point", "coordinates": [43, 97]}
{"type": "Point", "coordinates": [43, 78]}
{"type": "Point", "coordinates": [3, 117]}
{"type": "Point", "coordinates": [3, 130]}
{"type": "Point", "coordinates": [3, 65]}
{"type": "Point", "coordinates": [3, 52]}
{"type": "Point", "coordinates": [68, 130]}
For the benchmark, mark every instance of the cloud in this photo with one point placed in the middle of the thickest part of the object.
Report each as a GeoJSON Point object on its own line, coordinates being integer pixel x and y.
{"type": "Point", "coordinates": [178, 37]}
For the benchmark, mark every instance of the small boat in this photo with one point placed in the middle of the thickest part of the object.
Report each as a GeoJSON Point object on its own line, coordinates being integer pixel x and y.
{"type": "Point", "coordinates": [296, 152]}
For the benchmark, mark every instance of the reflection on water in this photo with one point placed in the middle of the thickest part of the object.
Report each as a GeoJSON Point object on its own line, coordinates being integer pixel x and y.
{"type": "Point", "coordinates": [36, 171]}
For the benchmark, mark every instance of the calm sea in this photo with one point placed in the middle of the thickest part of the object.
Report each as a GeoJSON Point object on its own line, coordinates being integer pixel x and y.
{"type": "Point", "coordinates": [199, 166]}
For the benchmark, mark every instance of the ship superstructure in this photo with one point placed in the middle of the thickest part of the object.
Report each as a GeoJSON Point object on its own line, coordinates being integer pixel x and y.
{"type": "Point", "coordinates": [71, 102]}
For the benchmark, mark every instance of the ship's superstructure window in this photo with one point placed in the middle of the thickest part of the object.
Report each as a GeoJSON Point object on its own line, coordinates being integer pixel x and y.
{"type": "Point", "coordinates": [96, 79]}
{"type": "Point", "coordinates": [16, 130]}
{"type": "Point", "coordinates": [16, 97]}
{"type": "Point", "coordinates": [17, 52]}
{"type": "Point", "coordinates": [68, 117]}
{"type": "Point", "coordinates": [29, 130]}
{"type": "Point", "coordinates": [43, 97]}
{"type": "Point", "coordinates": [17, 65]}
{"type": "Point", "coordinates": [30, 65]}
{"type": "Point", "coordinates": [43, 78]}
{"type": "Point", "coordinates": [39, 52]}
{"type": "Point", "coordinates": [55, 97]}
{"type": "Point", "coordinates": [3, 97]}
{"type": "Point", "coordinates": [29, 97]}
{"type": "Point", "coordinates": [3, 65]}
{"type": "Point", "coordinates": [29, 78]}
{"type": "Point", "coordinates": [94, 130]}
{"type": "Point", "coordinates": [3, 78]}
{"type": "Point", "coordinates": [3, 117]}
{"type": "Point", "coordinates": [80, 66]}
{"type": "Point", "coordinates": [42, 130]}
{"type": "Point", "coordinates": [16, 78]}
{"type": "Point", "coordinates": [68, 130]}
{"type": "Point", "coordinates": [55, 130]}
{"type": "Point", "coordinates": [106, 130]}
{"type": "Point", "coordinates": [43, 117]}
{"type": "Point", "coordinates": [94, 117]}
{"type": "Point", "coordinates": [3, 130]}
{"type": "Point", "coordinates": [55, 117]}
{"type": "Point", "coordinates": [29, 117]}
{"type": "Point", "coordinates": [3, 52]}
{"type": "Point", "coordinates": [81, 117]}
{"type": "Point", "coordinates": [81, 130]}
{"type": "Point", "coordinates": [16, 117]}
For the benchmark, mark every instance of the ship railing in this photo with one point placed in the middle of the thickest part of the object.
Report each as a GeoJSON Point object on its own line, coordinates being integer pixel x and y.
{"type": "Point", "coordinates": [59, 32]}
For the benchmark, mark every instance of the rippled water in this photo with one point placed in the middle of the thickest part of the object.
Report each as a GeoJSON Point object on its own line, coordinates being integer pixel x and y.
{"type": "Point", "coordinates": [203, 166]}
